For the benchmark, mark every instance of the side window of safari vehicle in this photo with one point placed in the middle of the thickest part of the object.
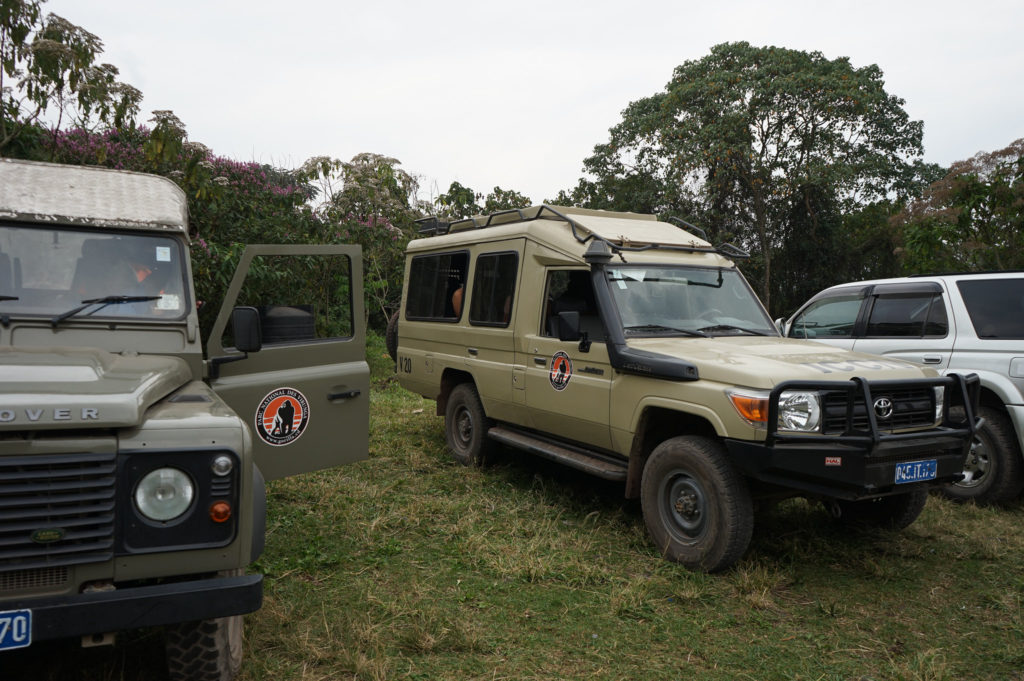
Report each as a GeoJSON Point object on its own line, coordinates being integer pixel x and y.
{"type": "Point", "coordinates": [437, 286]}
{"type": "Point", "coordinates": [828, 318]}
{"type": "Point", "coordinates": [494, 284]}
{"type": "Point", "coordinates": [908, 316]}
{"type": "Point", "coordinates": [300, 298]}
{"type": "Point", "coordinates": [996, 307]}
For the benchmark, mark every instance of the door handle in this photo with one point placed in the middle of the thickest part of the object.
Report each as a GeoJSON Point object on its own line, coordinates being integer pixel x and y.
{"type": "Point", "coordinates": [932, 359]}
{"type": "Point", "coordinates": [540, 361]}
{"type": "Point", "coordinates": [473, 351]}
{"type": "Point", "coordinates": [344, 395]}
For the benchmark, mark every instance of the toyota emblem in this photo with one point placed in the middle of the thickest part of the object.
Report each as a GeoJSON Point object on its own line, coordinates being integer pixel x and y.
{"type": "Point", "coordinates": [883, 407]}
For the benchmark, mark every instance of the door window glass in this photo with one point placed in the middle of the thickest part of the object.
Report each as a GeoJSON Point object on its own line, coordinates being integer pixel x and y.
{"type": "Point", "coordinates": [300, 298]}
{"type": "Point", "coordinates": [494, 283]}
{"type": "Point", "coordinates": [908, 316]}
{"type": "Point", "coordinates": [437, 285]}
{"type": "Point", "coordinates": [572, 291]}
{"type": "Point", "coordinates": [996, 306]}
{"type": "Point", "coordinates": [828, 318]}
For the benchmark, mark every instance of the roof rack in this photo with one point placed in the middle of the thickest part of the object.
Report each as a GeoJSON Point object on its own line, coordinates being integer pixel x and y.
{"type": "Point", "coordinates": [434, 227]}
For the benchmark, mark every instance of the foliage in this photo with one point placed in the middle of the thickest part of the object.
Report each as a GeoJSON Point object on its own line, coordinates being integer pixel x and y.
{"type": "Point", "coordinates": [970, 220]}
{"type": "Point", "coordinates": [370, 201]}
{"type": "Point", "coordinates": [49, 63]}
{"type": "Point", "coordinates": [462, 202]}
{"type": "Point", "coordinates": [744, 137]}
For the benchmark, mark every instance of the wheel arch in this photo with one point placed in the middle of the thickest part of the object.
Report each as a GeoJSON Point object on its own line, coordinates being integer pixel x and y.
{"type": "Point", "coordinates": [449, 379]}
{"type": "Point", "coordinates": [655, 425]}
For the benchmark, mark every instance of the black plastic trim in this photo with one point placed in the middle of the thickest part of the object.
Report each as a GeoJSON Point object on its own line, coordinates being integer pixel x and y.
{"type": "Point", "coordinates": [141, 606]}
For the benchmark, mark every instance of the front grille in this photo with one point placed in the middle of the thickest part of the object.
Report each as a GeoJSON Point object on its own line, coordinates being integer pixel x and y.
{"type": "Point", "coordinates": [911, 408]}
{"type": "Point", "coordinates": [56, 510]}
{"type": "Point", "coordinates": [20, 580]}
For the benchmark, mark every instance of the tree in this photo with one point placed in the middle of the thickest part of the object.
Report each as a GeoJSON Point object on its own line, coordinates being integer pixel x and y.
{"type": "Point", "coordinates": [739, 136]}
{"type": "Point", "coordinates": [970, 220]}
{"type": "Point", "coordinates": [457, 203]}
{"type": "Point", "coordinates": [370, 201]}
{"type": "Point", "coordinates": [49, 63]}
{"type": "Point", "coordinates": [505, 199]}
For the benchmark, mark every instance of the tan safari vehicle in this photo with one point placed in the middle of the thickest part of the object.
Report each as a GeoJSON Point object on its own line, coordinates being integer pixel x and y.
{"type": "Point", "coordinates": [132, 464]}
{"type": "Point", "coordinates": [634, 350]}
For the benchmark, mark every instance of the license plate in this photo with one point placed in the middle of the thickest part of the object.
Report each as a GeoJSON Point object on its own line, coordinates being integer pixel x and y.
{"type": "Point", "coordinates": [916, 471]}
{"type": "Point", "coordinates": [15, 629]}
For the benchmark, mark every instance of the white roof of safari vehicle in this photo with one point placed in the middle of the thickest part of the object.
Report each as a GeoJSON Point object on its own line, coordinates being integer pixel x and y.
{"type": "Point", "coordinates": [621, 231]}
{"type": "Point", "coordinates": [90, 196]}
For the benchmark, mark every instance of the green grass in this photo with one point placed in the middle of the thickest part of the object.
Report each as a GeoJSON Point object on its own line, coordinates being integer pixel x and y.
{"type": "Point", "coordinates": [410, 566]}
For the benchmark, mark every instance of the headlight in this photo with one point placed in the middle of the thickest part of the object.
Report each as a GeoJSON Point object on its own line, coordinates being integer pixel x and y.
{"type": "Point", "coordinates": [799, 411]}
{"type": "Point", "coordinates": [940, 397]}
{"type": "Point", "coordinates": [164, 494]}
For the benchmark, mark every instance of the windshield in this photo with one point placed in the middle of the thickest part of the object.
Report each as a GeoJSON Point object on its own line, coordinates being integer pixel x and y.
{"type": "Point", "coordinates": [51, 272]}
{"type": "Point", "coordinates": [687, 301]}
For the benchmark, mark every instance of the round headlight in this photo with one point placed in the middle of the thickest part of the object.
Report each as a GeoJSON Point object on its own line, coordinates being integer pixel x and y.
{"type": "Point", "coordinates": [164, 494]}
{"type": "Point", "coordinates": [799, 411]}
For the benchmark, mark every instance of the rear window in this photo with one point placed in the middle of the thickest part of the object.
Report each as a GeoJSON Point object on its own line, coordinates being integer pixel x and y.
{"type": "Point", "coordinates": [996, 306]}
{"type": "Point", "coordinates": [437, 284]}
{"type": "Point", "coordinates": [494, 283]}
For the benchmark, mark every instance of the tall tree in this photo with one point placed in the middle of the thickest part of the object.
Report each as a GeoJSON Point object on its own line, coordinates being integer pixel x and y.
{"type": "Point", "coordinates": [743, 132]}
{"type": "Point", "coordinates": [49, 64]}
{"type": "Point", "coordinates": [972, 219]}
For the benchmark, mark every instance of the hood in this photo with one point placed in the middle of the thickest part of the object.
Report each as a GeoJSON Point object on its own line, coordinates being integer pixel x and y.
{"type": "Point", "coordinates": [76, 388]}
{"type": "Point", "coordinates": [763, 362]}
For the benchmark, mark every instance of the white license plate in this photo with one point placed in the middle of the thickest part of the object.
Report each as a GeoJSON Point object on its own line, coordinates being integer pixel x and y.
{"type": "Point", "coordinates": [15, 629]}
{"type": "Point", "coordinates": [916, 471]}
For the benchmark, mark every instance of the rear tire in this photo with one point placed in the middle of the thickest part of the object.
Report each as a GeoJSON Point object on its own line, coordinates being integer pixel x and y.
{"type": "Point", "coordinates": [391, 337]}
{"type": "Point", "coordinates": [208, 650]}
{"type": "Point", "coordinates": [466, 426]}
{"type": "Point", "coordinates": [696, 505]}
{"type": "Point", "coordinates": [993, 469]}
{"type": "Point", "coordinates": [895, 512]}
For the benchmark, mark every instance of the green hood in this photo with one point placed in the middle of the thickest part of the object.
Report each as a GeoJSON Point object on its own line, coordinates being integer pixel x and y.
{"type": "Point", "coordinates": [74, 388]}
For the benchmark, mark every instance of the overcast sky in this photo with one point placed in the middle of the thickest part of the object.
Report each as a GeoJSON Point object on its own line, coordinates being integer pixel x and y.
{"type": "Point", "coordinates": [517, 94]}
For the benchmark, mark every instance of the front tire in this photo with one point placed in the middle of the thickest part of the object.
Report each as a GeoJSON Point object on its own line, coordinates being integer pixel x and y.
{"type": "Point", "coordinates": [894, 512]}
{"type": "Point", "coordinates": [696, 505]}
{"type": "Point", "coordinates": [208, 650]}
{"type": "Point", "coordinates": [466, 425]}
{"type": "Point", "coordinates": [994, 472]}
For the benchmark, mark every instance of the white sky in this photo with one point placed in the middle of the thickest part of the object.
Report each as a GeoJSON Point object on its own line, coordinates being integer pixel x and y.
{"type": "Point", "coordinates": [517, 94]}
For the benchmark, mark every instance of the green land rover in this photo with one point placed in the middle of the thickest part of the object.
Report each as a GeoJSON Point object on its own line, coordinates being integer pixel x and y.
{"type": "Point", "coordinates": [132, 464]}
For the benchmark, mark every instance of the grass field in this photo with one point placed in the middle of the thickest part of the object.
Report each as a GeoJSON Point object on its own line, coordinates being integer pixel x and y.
{"type": "Point", "coordinates": [410, 566]}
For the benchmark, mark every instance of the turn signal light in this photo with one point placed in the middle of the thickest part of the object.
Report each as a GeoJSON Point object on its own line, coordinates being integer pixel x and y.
{"type": "Point", "coordinates": [220, 511]}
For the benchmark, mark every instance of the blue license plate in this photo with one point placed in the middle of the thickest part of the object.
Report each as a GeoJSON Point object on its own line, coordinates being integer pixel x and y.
{"type": "Point", "coordinates": [916, 471]}
{"type": "Point", "coordinates": [15, 629]}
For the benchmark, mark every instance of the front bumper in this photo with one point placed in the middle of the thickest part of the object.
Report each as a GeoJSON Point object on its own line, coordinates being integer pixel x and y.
{"type": "Point", "coordinates": [143, 606]}
{"type": "Point", "coordinates": [861, 462]}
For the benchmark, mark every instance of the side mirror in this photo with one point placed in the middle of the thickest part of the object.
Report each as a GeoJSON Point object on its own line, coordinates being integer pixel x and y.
{"type": "Point", "coordinates": [780, 324]}
{"type": "Point", "coordinates": [568, 326]}
{"type": "Point", "coordinates": [245, 327]}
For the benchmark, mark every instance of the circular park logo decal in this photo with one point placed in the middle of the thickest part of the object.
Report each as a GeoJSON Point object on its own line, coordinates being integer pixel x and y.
{"type": "Point", "coordinates": [561, 371]}
{"type": "Point", "coordinates": [282, 417]}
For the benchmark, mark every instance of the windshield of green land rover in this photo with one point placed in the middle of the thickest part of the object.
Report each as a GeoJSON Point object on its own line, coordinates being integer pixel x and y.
{"type": "Point", "coordinates": [66, 274]}
{"type": "Point", "coordinates": [687, 301]}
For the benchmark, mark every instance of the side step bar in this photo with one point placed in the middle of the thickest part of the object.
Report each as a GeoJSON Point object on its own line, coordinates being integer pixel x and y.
{"type": "Point", "coordinates": [591, 462]}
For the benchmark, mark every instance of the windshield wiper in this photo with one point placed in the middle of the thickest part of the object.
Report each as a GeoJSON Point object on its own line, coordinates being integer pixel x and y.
{"type": "Point", "coordinates": [660, 327]}
{"type": "Point", "coordinates": [730, 327]}
{"type": "Point", "coordinates": [102, 302]}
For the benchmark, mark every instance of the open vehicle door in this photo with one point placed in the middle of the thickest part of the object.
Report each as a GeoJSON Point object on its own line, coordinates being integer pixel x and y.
{"type": "Point", "coordinates": [305, 392]}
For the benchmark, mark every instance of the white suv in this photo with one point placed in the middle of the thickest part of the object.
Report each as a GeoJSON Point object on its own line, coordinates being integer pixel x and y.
{"type": "Point", "coordinates": [957, 322]}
